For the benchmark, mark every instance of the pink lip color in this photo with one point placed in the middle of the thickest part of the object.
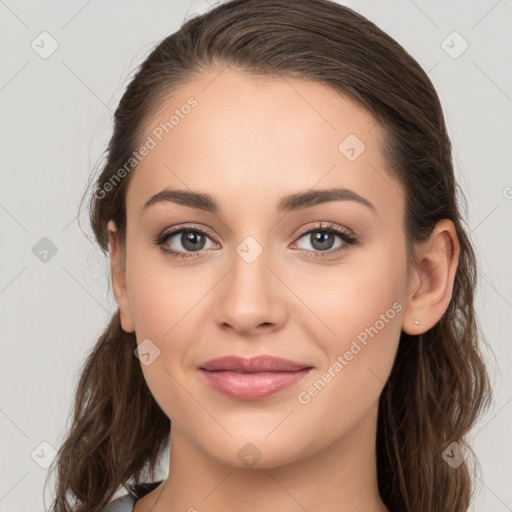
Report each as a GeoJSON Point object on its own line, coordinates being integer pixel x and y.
{"type": "Point", "coordinates": [253, 378]}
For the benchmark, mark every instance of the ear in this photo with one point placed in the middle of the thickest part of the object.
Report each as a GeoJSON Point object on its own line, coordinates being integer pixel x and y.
{"type": "Point", "coordinates": [117, 268]}
{"type": "Point", "coordinates": [431, 282]}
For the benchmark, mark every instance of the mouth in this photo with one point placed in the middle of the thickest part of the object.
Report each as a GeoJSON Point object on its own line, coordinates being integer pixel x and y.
{"type": "Point", "coordinates": [252, 378]}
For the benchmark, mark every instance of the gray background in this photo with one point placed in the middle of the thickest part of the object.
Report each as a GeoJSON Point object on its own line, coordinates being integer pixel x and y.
{"type": "Point", "coordinates": [56, 120]}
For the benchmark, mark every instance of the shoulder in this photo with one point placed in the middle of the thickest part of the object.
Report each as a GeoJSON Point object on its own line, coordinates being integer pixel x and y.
{"type": "Point", "coordinates": [123, 504]}
{"type": "Point", "coordinates": [126, 503]}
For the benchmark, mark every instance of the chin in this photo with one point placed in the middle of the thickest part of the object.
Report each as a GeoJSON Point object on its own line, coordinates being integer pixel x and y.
{"type": "Point", "coordinates": [255, 451]}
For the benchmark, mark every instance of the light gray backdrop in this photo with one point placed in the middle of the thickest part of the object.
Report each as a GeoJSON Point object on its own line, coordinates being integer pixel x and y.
{"type": "Point", "coordinates": [57, 104]}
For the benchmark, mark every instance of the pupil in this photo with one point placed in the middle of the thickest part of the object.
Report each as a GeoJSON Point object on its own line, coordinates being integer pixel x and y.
{"type": "Point", "coordinates": [322, 240]}
{"type": "Point", "coordinates": [190, 240]}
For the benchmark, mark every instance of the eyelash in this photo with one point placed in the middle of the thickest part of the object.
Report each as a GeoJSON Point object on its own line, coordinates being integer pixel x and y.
{"type": "Point", "coordinates": [347, 238]}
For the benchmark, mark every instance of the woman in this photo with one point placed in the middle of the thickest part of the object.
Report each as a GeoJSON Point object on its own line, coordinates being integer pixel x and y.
{"type": "Point", "coordinates": [294, 282]}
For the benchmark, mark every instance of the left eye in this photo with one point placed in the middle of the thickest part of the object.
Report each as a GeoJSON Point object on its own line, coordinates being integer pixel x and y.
{"type": "Point", "coordinates": [322, 239]}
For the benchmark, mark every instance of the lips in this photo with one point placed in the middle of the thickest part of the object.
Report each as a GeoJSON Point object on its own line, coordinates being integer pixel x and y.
{"type": "Point", "coordinates": [263, 363]}
{"type": "Point", "coordinates": [252, 378]}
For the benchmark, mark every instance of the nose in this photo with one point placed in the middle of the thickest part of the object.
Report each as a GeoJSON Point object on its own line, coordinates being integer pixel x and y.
{"type": "Point", "coordinates": [251, 298]}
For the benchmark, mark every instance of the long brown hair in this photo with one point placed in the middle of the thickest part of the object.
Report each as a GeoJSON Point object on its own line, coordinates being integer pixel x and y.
{"type": "Point", "coordinates": [438, 385]}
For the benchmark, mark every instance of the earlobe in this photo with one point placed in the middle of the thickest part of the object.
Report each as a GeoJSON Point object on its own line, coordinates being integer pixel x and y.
{"type": "Point", "coordinates": [117, 268]}
{"type": "Point", "coordinates": [431, 286]}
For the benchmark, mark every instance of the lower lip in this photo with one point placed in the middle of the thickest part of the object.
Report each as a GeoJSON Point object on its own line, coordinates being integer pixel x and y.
{"type": "Point", "coordinates": [252, 386]}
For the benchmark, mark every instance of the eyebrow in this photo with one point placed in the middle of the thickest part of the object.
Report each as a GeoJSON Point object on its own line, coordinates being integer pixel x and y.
{"type": "Point", "coordinates": [290, 203]}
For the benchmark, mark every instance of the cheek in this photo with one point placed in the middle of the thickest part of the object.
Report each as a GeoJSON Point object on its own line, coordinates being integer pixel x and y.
{"type": "Point", "coordinates": [160, 296]}
{"type": "Point", "coordinates": [351, 298]}
{"type": "Point", "coordinates": [363, 307]}
{"type": "Point", "coordinates": [162, 304]}
{"type": "Point", "coordinates": [167, 304]}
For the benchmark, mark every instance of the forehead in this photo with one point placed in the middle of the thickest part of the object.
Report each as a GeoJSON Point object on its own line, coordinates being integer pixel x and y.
{"type": "Point", "coordinates": [231, 134]}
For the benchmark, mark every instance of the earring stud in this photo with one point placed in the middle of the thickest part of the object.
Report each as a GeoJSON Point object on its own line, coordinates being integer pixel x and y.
{"type": "Point", "coordinates": [416, 322]}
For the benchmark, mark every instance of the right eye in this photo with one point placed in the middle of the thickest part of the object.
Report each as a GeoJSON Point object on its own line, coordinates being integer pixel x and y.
{"type": "Point", "coordinates": [191, 239]}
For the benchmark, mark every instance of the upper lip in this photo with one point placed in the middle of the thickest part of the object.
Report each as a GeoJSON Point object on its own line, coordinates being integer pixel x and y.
{"type": "Point", "coordinates": [261, 363]}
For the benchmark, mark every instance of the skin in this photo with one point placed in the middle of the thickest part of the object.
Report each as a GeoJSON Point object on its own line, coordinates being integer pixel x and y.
{"type": "Point", "coordinates": [248, 142]}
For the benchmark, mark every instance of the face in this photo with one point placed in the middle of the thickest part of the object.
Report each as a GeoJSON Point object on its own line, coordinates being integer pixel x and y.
{"type": "Point", "coordinates": [319, 282]}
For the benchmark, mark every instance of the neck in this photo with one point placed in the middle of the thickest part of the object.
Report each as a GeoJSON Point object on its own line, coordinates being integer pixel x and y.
{"type": "Point", "coordinates": [342, 477]}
